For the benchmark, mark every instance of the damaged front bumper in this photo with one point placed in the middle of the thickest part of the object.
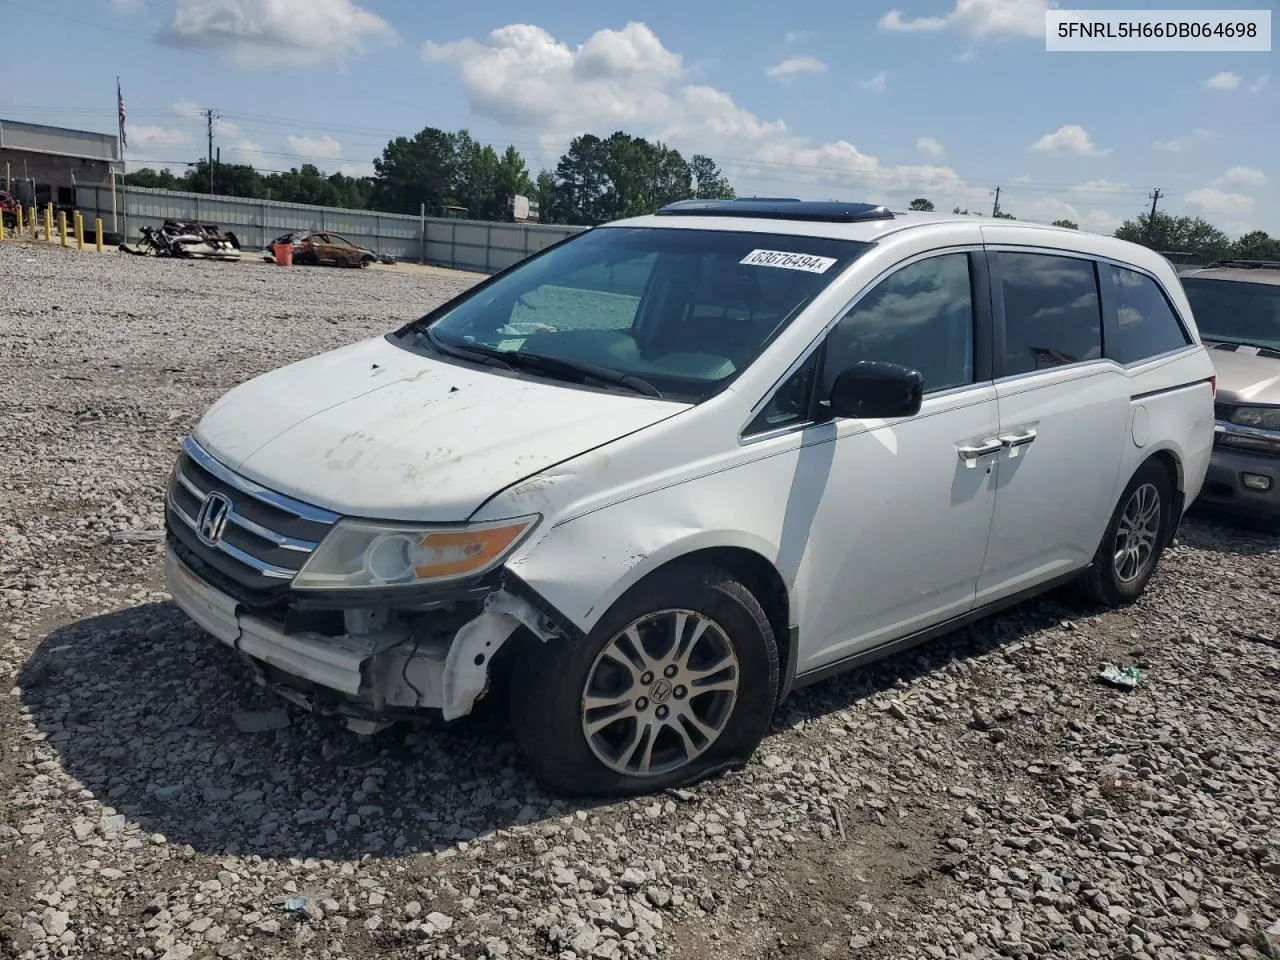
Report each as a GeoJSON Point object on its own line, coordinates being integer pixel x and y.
{"type": "Point", "coordinates": [378, 667]}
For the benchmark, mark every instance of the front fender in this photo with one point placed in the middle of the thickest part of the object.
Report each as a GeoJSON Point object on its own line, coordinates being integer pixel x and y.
{"type": "Point", "coordinates": [583, 567]}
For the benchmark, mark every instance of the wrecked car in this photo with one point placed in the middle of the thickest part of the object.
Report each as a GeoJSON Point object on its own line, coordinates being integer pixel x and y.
{"type": "Point", "coordinates": [327, 249]}
{"type": "Point", "coordinates": [647, 481]}
{"type": "Point", "coordinates": [186, 240]}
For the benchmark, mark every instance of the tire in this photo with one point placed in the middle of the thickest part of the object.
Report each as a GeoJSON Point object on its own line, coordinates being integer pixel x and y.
{"type": "Point", "coordinates": [552, 680]}
{"type": "Point", "coordinates": [1114, 583]}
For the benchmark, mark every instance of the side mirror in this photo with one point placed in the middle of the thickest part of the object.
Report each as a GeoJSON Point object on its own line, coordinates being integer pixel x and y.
{"type": "Point", "coordinates": [874, 390]}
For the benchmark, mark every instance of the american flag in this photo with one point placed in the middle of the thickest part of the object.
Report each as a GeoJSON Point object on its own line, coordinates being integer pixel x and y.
{"type": "Point", "coordinates": [124, 139]}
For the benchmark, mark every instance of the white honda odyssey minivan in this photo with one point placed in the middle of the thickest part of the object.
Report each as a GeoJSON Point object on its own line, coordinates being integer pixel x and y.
{"type": "Point", "coordinates": [648, 481]}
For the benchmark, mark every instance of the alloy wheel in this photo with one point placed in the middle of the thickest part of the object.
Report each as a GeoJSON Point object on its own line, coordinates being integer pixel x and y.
{"type": "Point", "coordinates": [1136, 535]}
{"type": "Point", "coordinates": [660, 693]}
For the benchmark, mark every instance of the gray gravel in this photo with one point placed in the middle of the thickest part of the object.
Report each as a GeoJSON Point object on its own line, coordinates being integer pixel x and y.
{"type": "Point", "coordinates": [984, 796]}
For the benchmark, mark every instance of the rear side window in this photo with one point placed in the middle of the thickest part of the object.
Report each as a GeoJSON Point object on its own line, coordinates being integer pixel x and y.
{"type": "Point", "coordinates": [1146, 325]}
{"type": "Point", "coordinates": [1052, 314]}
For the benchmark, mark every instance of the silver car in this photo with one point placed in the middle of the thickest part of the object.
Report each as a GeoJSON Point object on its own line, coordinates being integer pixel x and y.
{"type": "Point", "coordinates": [1237, 309]}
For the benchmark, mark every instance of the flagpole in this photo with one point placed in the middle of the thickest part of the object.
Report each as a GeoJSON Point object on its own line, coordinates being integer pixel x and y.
{"type": "Point", "coordinates": [121, 143]}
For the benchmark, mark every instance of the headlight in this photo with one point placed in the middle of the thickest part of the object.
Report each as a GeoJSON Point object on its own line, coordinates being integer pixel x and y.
{"type": "Point", "coordinates": [358, 554]}
{"type": "Point", "coordinates": [1261, 418]}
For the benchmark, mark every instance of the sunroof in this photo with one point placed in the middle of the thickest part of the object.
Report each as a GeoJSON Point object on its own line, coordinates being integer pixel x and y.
{"type": "Point", "coordinates": [776, 208]}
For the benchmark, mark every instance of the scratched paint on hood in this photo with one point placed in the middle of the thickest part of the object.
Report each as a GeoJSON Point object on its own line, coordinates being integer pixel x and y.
{"type": "Point", "coordinates": [413, 438]}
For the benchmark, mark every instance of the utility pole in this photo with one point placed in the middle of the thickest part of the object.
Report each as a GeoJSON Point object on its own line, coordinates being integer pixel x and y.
{"type": "Point", "coordinates": [1151, 220]}
{"type": "Point", "coordinates": [995, 207]}
{"type": "Point", "coordinates": [209, 116]}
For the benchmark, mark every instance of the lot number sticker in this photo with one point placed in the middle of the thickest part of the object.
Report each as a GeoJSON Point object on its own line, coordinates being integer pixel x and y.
{"type": "Point", "coordinates": [788, 261]}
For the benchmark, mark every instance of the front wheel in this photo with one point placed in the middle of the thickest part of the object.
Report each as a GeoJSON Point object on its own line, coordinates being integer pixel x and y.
{"type": "Point", "coordinates": [1134, 540]}
{"type": "Point", "coordinates": [675, 684]}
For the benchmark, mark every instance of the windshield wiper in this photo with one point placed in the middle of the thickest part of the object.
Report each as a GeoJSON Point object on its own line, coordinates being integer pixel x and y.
{"type": "Point", "coordinates": [467, 351]}
{"type": "Point", "coordinates": [586, 371]}
{"type": "Point", "coordinates": [1256, 344]}
{"type": "Point", "coordinates": [555, 366]}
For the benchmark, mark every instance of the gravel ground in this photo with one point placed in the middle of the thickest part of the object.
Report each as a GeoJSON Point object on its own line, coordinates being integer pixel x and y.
{"type": "Point", "coordinates": [984, 796]}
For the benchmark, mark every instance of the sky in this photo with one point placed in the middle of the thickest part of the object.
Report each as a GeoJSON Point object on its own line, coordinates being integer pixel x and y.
{"type": "Point", "coordinates": [878, 100]}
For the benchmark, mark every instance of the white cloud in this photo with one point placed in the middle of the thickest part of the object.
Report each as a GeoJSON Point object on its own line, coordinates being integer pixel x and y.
{"type": "Point", "coordinates": [361, 169]}
{"type": "Point", "coordinates": [878, 84]}
{"type": "Point", "coordinates": [1099, 221]}
{"type": "Point", "coordinates": [1213, 200]}
{"type": "Point", "coordinates": [930, 147]}
{"type": "Point", "coordinates": [144, 135]}
{"type": "Point", "coordinates": [276, 33]}
{"type": "Point", "coordinates": [966, 56]}
{"type": "Point", "coordinates": [1046, 208]}
{"type": "Point", "coordinates": [322, 147]}
{"type": "Point", "coordinates": [1241, 177]}
{"type": "Point", "coordinates": [1223, 81]}
{"type": "Point", "coordinates": [790, 67]}
{"type": "Point", "coordinates": [795, 36]}
{"type": "Point", "coordinates": [525, 78]}
{"type": "Point", "coordinates": [1070, 138]}
{"type": "Point", "coordinates": [193, 111]}
{"type": "Point", "coordinates": [1183, 144]}
{"type": "Point", "coordinates": [1259, 85]}
{"type": "Point", "coordinates": [1099, 190]}
{"type": "Point", "coordinates": [249, 152]}
{"type": "Point", "coordinates": [977, 18]}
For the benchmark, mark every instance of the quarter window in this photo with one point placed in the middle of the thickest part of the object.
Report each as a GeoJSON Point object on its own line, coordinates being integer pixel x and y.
{"type": "Point", "coordinates": [1146, 325]}
{"type": "Point", "coordinates": [920, 317]}
{"type": "Point", "coordinates": [1052, 314]}
{"type": "Point", "coordinates": [790, 404]}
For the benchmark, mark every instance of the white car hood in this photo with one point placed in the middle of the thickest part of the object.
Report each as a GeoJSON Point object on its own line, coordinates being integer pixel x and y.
{"type": "Point", "coordinates": [376, 431]}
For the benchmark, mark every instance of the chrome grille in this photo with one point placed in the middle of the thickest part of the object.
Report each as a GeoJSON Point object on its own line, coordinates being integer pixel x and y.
{"type": "Point", "coordinates": [265, 536]}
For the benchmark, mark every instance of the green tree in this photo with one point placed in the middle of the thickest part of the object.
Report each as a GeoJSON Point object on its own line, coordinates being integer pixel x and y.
{"type": "Point", "coordinates": [416, 170]}
{"type": "Point", "coordinates": [544, 191]}
{"type": "Point", "coordinates": [230, 180]}
{"type": "Point", "coordinates": [923, 204]}
{"type": "Point", "coordinates": [159, 179]}
{"type": "Point", "coordinates": [1069, 224]}
{"type": "Point", "coordinates": [1165, 232]}
{"type": "Point", "coordinates": [624, 176]}
{"type": "Point", "coordinates": [1257, 245]}
{"type": "Point", "coordinates": [709, 183]}
{"type": "Point", "coordinates": [582, 182]}
{"type": "Point", "coordinates": [1001, 215]}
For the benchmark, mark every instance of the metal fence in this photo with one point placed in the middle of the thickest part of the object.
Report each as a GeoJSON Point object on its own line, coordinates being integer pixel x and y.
{"type": "Point", "coordinates": [466, 244]}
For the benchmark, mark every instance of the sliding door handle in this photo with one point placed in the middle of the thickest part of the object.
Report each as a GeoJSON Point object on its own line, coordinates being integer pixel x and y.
{"type": "Point", "coordinates": [1015, 442]}
{"type": "Point", "coordinates": [971, 454]}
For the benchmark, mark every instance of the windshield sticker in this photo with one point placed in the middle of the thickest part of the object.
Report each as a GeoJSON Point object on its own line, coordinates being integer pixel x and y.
{"type": "Point", "coordinates": [788, 261]}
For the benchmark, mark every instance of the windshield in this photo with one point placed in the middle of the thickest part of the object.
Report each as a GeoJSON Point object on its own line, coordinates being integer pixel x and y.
{"type": "Point", "coordinates": [681, 312]}
{"type": "Point", "coordinates": [1236, 311]}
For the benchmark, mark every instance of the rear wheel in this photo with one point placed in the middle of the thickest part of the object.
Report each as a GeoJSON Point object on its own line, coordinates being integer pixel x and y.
{"type": "Point", "coordinates": [1134, 540]}
{"type": "Point", "coordinates": [675, 684]}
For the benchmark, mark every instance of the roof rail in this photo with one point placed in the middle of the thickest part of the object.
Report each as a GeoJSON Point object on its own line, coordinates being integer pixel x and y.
{"type": "Point", "coordinates": [817, 211]}
{"type": "Point", "coordinates": [1248, 264]}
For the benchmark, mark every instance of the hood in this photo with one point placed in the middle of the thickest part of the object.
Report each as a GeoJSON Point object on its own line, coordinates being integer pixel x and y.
{"type": "Point", "coordinates": [376, 431]}
{"type": "Point", "coordinates": [1246, 377]}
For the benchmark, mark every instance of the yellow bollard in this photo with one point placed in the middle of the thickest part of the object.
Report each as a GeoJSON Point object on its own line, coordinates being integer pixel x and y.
{"type": "Point", "coordinates": [19, 230]}
{"type": "Point", "coordinates": [1, 229]}
{"type": "Point", "coordinates": [97, 232]}
{"type": "Point", "coordinates": [48, 223]}
{"type": "Point", "coordinates": [79, 226]}
{"type": "Point", "coordinates": [62, 226]}
{"type": "Point", "coordinates": [31, 219]}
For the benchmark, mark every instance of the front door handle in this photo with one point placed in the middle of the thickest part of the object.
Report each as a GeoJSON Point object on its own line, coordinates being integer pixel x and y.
{"type": "Point", "coordinates": [972, 454]}
{"type": "Point", "coordinates": [1015, 442]}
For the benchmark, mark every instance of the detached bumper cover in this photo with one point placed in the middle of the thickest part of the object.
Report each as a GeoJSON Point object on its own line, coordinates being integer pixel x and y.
{"type": "Point", "coordinates": [384, 670]}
